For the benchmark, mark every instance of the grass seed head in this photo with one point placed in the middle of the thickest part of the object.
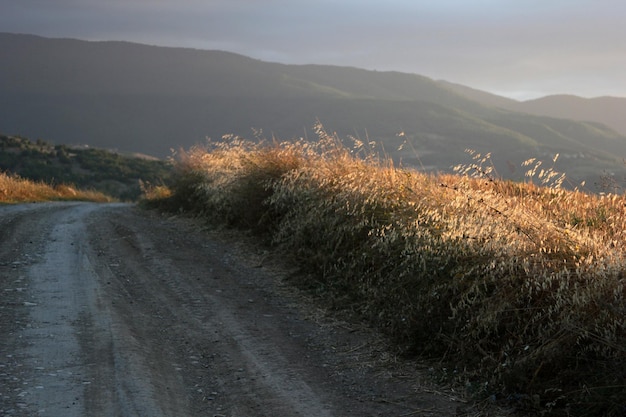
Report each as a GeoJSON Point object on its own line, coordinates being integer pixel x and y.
{"type": "Point", "coordinates": [504, 277]}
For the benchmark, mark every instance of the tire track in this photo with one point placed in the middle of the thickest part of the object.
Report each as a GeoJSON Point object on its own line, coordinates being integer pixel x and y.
{"type": "Point", "coordinates": [239, 353]}
{"type": "Point", "coordinates": [75, 360]}
{"type": "Point", "coordinates": [131, 314]}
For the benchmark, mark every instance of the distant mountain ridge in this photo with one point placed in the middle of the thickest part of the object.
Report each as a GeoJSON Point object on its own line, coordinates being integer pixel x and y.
{"type": "Point", "coordinates": [68, 66]}
{"type": "Point", "coordinates": [149, 99]}
{"type": "Point", "coordinates": [610, 111]}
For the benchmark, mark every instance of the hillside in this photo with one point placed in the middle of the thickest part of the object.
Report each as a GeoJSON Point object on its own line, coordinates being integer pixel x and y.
{"type": "Point", "coordinates": [609, 111]}
{"type": "Point", "coordinates": [148, 99]}
{"type": "Point", "coordinates": [87, 168]}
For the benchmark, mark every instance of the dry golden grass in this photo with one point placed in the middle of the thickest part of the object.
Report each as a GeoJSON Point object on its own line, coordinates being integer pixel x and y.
{"type": "Point", "coordinates": [518, 287]}
{"type": "Point", "coordinates": [14, 189]}
{"type": "Point", "coordinates": [150, 192]}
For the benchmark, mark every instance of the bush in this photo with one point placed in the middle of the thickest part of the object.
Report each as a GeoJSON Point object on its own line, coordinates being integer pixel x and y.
{"type": "Point", "coordinates": [518, 287]}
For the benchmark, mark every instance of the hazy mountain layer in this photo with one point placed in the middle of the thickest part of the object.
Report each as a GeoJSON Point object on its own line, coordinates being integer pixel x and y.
{"type": "Point", "coordinates": [606, 110]}
{"type": "Point", "coordinates": [151, 99]}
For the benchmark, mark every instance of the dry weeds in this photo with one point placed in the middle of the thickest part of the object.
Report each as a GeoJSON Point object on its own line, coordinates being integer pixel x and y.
{"type": "Point", "coordinates": [517, 287]}
{"type": "Point", "coordinates": [14, 189]}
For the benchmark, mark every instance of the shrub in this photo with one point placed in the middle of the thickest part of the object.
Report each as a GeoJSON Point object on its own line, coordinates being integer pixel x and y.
{"type": "Point", "coordinates": [517, 286]}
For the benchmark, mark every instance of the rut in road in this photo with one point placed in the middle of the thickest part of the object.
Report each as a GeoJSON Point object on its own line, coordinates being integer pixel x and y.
{"type": "Point", "coordinates": [195, 303]}
{"type": "Point", "coordinates": [70, 352]}
{"type": "Point", "coordinates": [131, 314]}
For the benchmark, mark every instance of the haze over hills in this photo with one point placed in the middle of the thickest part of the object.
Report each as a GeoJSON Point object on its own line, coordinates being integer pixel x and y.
{"type": "Point", "coordinates": [610, 111]}
{"type": "Point", "coordinates": [149, 99]}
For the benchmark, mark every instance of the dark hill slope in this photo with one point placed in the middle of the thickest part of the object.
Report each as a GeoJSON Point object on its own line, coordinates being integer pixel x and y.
{"type": "Point", "coordinates": [151, 99]}
{"type": "Point", "coordinates": [119, 176]}
{"type": "Point", "coordinates": [67, 66]}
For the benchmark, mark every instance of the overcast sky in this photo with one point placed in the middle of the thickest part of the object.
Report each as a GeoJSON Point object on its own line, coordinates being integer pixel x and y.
{"type": "Point", "coordinates": [518, 48]}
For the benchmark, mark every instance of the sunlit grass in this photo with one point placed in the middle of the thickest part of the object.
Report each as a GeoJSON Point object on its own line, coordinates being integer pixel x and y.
{"type": "Point", "coordinates": [518, 287]}
{"type": "Point", "coordinates": [14, 189]}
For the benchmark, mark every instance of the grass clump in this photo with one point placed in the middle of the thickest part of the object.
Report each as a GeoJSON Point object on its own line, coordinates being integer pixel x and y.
{"type": "Point", "coordinates": [518, 287]}
{"type": "Point", "coordinates": [14, 189]}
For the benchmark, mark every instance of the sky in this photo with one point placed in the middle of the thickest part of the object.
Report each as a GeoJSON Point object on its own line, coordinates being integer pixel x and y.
{"type": "Point", "coordinates": [521, 49]}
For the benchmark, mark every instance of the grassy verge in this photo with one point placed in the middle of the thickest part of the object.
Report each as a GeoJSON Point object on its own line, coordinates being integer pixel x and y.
{"type": "Point", "coordinates": [517, 288]}
{"type": "Point", "coordinates": [86, 168]}
{"type": "Point", "coordinates": [14, 189]}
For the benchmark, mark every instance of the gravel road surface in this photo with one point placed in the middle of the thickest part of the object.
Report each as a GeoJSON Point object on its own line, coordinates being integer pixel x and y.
{"type": "Point", "coordinates": [108, 310]}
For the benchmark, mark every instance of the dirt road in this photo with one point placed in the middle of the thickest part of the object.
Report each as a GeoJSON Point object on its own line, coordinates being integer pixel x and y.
{"type": "Point", "coordinates": [107, 310]}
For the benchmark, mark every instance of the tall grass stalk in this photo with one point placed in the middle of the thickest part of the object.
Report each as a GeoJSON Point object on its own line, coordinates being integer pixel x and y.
{"type": "Point", "coordinates": [519, 287]}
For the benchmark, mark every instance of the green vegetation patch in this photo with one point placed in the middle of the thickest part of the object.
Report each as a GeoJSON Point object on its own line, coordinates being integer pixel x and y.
{"type": "Point", "coordinates": [117, 175]}
{"type": "Point", "coordinates": [517, 288]}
